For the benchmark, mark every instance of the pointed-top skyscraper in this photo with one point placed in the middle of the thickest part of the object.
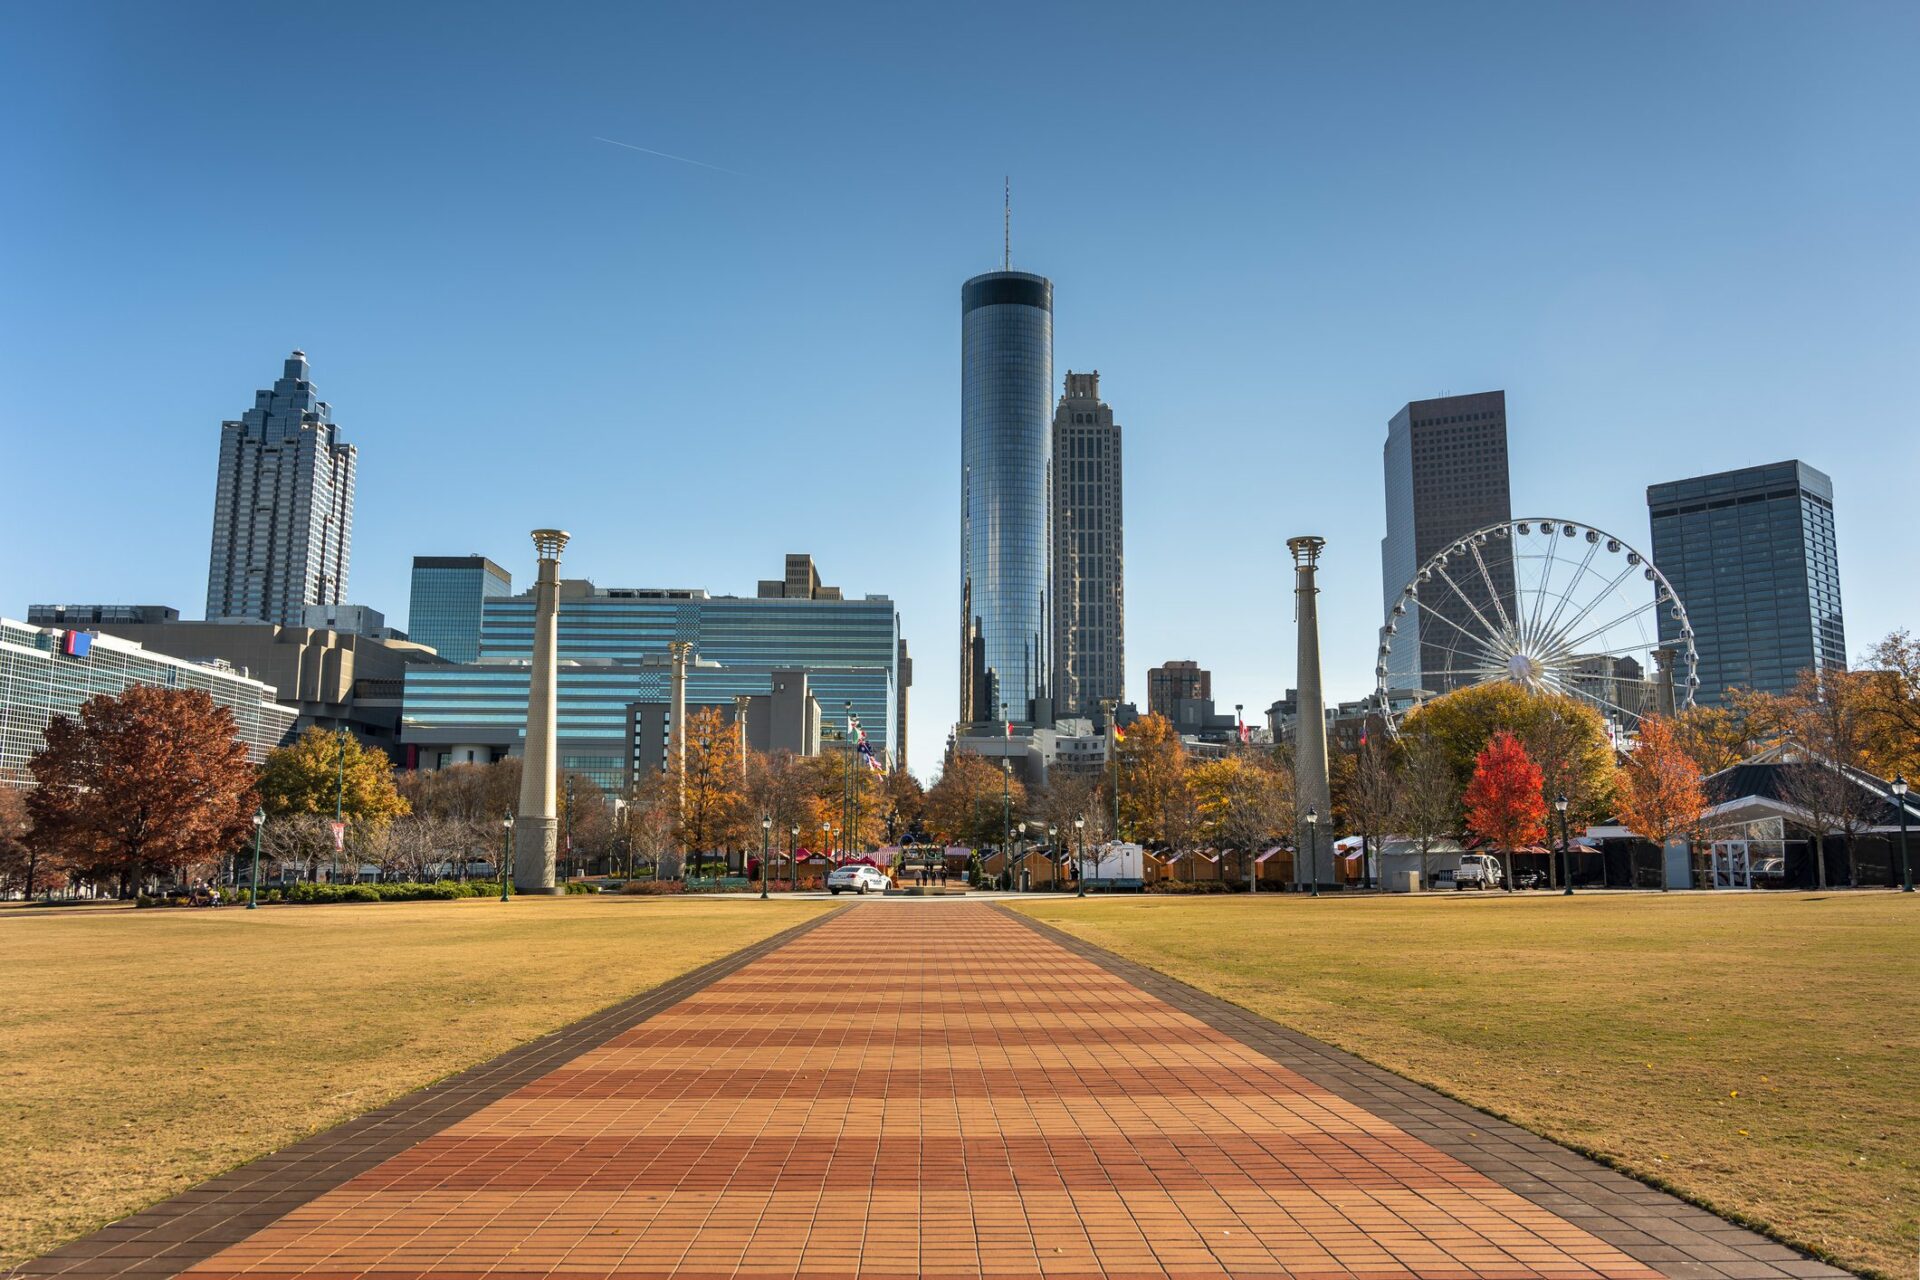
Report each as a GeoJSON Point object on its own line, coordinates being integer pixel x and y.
{"type": "Point", "coordinates": [283, 508]}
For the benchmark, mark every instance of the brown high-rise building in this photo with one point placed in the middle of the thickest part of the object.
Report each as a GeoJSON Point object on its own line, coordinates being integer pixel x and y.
{"type": "Point", "coordinates": [1446, 474]}
{"type": "Point", "coordinates": [1089, 603]}
{"type": "Point", "coordinates": [1168, 684]}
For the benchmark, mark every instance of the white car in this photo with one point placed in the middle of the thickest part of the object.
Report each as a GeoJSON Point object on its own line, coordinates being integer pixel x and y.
{"type": "Point", "coordinates": [860, 879]}
{"type": "Point", "coordinates": [1477, 871]}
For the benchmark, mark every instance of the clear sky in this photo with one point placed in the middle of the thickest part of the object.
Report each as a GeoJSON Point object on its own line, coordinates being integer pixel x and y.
{"type": "Point", "coordinates": [1683, 237]}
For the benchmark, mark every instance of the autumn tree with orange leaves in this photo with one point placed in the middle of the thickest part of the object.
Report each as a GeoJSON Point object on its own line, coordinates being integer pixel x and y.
{"type": "Point", "coordinates": [143, 783]}
{"type": "Point", "coordinates": [1660, 796]}
{"type": "Point", "coordinates": [710, 812]}
{"type": "Point", "coordinates": [1504, 801]}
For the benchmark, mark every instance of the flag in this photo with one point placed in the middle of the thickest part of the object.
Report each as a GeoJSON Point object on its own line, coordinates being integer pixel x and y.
{"type": "Point", "coordinates": [1009, 731]}
{"type": "Point", "coordinates": [1119, 734]}
{"type": "Point", "coordinates": [867, 757]}
{"type": "Point", "coordinates": [1246, 732]}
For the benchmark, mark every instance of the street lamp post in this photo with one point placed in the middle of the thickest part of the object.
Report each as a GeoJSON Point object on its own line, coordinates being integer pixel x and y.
{"type": "Point", "coordinates": [260, 826]}
{"type": "Point", "coordinates": [1020, 857]}
{"type": "Point", "coordinates": [1080, 831]}
{"type": "Point", "coordinates": [1313, 848]}
{"type": "Point", "coordinates": [766, 833]}
{"type": "Point", "coordinates": [1566, 845]}
{"type": "Point", "coordinates": [826, 844]}
{"type": "Point", "coordinates": [1006, 803]}
{"type": "Point", "coordinates": [1900, 801]}
{"type": "Point", "coordinates": [793, 847]}
{"type": "Point", "coordinates": [506, 857]}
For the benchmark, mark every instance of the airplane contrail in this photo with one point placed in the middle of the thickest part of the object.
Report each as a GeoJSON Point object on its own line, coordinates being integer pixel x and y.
{"type": "Point", "coordinates": [665, 156]}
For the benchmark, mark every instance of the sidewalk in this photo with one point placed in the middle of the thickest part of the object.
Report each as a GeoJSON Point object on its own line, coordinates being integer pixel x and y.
{"type": "Point", "coordinates": [924, 1089]}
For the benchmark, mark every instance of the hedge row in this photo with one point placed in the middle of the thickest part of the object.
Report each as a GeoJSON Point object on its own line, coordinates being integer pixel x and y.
{"type": "Point", "coordinates": [404, 891]}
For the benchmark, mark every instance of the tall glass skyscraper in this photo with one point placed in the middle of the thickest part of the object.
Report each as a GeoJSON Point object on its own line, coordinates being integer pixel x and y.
{"type": "Point", "coordinates": [1006, 458]}
{"type": "Point", "coordinates": [1752, 555]}
{"type": "Point", "coordinates": [283, 507]}
{"type": "Point", "coordinates": [447, 600]}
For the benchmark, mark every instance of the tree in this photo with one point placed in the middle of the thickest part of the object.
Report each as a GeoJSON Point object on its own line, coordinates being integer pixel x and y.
{"type": "Point", "coordinates": [1373, 795]}
{"type": "Point", "coordinates": [1660, 796]}
{"type": "Point", "coordinates": [1715, 738]}
{"type": "Point", "coordinates": [1822, 721]}
{"type": "Point", "coordinates": [709, 789]}
{"type": "Point", "coordinates": [646, 825]}
{"type": "Point", "coordinates": [1243, 801]}
{"type": "Point", "coordinates": [906, 799]}
{"type": "Point", "coordinates": [1570, 734]}
{"type": "Point", "coordinates": [1152, 767]}
{"type": "Point", "coordinates": [1504, 800]}
{"type": "Point", "coordinates": [831, 779]}
{"type": "Point", "coordinates": [1427, 812]}
{"type": "Point", "coordinates": [973, 801]}
{"type": "Point", "coordinates": [1890, 706]}
{"type": "Point", "coordinates": [307, 775]}
{"type": "Point", "coordinates": [143, 782]}
{"type": "Point", "coordinates": [22, 869]}
{"type": "Point", "coordinates": [1074, 796]}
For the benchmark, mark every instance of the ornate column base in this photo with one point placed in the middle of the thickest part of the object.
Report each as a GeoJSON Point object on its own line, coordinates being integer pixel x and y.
{"type": "Point", "coordinates": [535, 841]}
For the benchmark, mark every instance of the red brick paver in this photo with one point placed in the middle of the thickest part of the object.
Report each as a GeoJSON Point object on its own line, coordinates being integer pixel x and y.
{"type": "Point", "coordinates": [919, 1089]}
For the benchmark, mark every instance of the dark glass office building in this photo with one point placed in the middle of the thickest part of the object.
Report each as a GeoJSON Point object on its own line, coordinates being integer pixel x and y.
{"type": "Point", "coordinates": [1752, 555]}
{"type": "Point", "coordinates": [1006, 448]}
{"type": "Point", "coordinates": [1446, 471]}
{"type": "Point", "coordinates": [448, 599]}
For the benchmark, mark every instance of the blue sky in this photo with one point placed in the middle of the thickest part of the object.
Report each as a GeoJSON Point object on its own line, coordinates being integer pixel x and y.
{"type": "Point", "coordinates": [1682, 238]}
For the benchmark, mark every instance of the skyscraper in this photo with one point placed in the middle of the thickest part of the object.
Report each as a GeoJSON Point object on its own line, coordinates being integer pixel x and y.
{"type": "Point", "coordinates": [1446, 474]}
{"type": "Point", "coordinates": [1006, 393]}
{"type": "Point", "coordinates": [1751, 554]}
{"type": "Point", "coordinates": [283, 508]}
{"type": "Point", "coordinates": [1088, 591]}
{"type": "Point", "coordinates": [447, 601]}
{"type": "Point", "coordinates": [1184, 680]}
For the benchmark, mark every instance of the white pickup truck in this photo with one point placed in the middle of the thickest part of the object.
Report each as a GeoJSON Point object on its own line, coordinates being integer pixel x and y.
{"type": "Point", "coordinates": [1477, 871]}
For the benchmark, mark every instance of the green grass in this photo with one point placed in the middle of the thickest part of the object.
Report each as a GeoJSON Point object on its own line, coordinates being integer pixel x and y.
{"type": "Point", "coordinates": [144, 1051]}
{"type": "Point", "coordinates": [1758, 1053]}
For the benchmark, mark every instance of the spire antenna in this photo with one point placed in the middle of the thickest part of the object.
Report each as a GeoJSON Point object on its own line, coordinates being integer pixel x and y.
{"type": "Point", "coordinates": [1006, 224]}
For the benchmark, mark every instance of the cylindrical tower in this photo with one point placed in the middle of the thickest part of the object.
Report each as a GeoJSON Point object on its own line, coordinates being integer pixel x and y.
{"type": "Point", "coordinates": [1006, 445]}
{"type": "Point", "coordinates": [1313, 862]}
{"type": "Point", "coordinates": [535, 833]}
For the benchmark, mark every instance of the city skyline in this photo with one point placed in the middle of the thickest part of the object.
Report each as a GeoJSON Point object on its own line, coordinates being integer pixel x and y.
{"type": "Point", "coordinates": [639, 337]}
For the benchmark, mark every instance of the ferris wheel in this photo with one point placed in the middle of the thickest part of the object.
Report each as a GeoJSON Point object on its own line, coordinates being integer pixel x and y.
{"type": "Point", "coordinates": [1551, 605]}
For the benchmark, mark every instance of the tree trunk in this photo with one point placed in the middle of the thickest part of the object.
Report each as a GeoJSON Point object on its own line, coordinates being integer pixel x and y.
{"type": "Point", "coordinates": [1506, 871]}
{"type": "Point", "coordinates": [1820, 860]}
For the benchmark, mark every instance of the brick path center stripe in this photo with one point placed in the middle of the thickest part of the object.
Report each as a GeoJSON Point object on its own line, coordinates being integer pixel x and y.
{"type": "Point", "coordinates": [919, 1089]}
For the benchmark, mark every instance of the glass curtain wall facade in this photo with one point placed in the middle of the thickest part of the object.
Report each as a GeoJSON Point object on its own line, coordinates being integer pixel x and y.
{"type": "Point", "coordinates": [447, 599]}
{"type": "Point", "coordinates": [282, 507]}
{"type": "Point", "coordinates": [40, 679]}
{"type": "Point", "coordinates": [613, 652]}
{"type": "Point", "coordinates": [1445, 462]}
{"type": "Point", "coordinates": [1006, 439]}
{"type": "Point", "coordinates": [1089, 602]}
{"type": "Point", "coordinates": [1753, 558]}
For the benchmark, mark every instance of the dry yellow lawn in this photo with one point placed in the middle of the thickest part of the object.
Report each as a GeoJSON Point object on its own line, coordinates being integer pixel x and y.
{"type": "Point", "coordinates": [143, 1051]}
{"type": "Point", "coordinates": [1758, 1053]}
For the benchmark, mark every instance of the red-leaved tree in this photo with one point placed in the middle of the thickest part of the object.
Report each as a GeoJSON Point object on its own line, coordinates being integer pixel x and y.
{"type": "Point", "coordinates": [1505, 803]}
{"type": "Point", "coordinates": [144, 782]}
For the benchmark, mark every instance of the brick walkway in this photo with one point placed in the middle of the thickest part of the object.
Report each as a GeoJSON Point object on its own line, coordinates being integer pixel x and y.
{"type": "Point", "coordinates": [931, 1089]}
